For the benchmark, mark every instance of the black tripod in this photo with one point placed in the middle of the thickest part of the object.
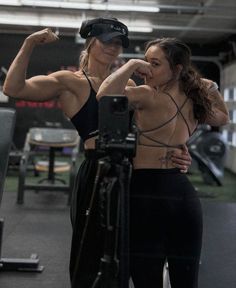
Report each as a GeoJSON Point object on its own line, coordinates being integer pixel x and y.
{"type": "Point", "coordinates": [109, 200]}
{"type": "Point", "coordinates": [114, 207]}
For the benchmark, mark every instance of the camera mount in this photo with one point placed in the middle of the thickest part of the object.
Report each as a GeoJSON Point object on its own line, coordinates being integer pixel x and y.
{"type": "Point", "coordinates": [108, 204]}
{"type": "Point", "coordinates": [117, 140]}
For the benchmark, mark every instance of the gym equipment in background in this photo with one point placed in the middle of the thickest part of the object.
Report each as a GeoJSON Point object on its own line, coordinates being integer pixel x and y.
{"type": "Point", "coordinates": [48, 141]}
{"type": "Point", "coordinates": [7, 120]}
{"type": "Point", "coordinates": [209, 150]}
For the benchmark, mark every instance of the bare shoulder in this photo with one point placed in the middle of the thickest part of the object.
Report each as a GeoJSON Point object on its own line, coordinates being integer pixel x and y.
{"type": "Point", "coordinates": [63, 74]}
{"type": "Point", "coordinates": [140, 96]}
{"type": "Point", "coordinates": [69, 78]}
{"type": "Point", "coordinates": [140, 91]}
{"type": "Point", "coordinates": [76, 92]}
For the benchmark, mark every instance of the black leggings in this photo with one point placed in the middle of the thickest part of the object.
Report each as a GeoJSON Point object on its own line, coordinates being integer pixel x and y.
{"type": "Point", "coordinates": [85, 258]}
{"type": "Point", "coordinates": [165, 223]}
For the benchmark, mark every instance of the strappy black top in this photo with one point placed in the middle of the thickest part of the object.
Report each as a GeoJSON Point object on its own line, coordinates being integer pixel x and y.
{"type": "Point", "coordinates": [156, 142]}
{"type": "Point", "coordinates": [86, 119]}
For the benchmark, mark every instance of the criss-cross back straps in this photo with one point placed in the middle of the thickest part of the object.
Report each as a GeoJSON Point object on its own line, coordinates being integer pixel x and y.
{"type": "Point", "coordinates": [179, 110]}
{"type": "Point", "coordinates": [141, 132]}
{"type": "Point", "coordinates": [157, 143]}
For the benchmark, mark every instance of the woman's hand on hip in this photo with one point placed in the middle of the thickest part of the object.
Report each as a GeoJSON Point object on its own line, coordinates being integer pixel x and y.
{"type": "Point", "coordinates": [182, 159]}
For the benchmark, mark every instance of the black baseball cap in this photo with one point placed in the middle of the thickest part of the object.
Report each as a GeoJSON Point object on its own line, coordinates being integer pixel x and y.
{"type": "Point", "coordinates": [105, 29]}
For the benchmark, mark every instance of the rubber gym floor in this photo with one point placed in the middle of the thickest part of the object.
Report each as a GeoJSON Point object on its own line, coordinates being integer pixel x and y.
{"type": "Point", "coordinates": [42, 226]}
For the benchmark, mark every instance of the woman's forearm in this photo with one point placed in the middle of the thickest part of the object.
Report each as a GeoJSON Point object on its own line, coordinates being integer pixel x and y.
{"type": "Point", "coordinates": [15, 79]}
{"type": "Point", "coordinates": [115, 83]}
{"type": "Point", "coordinates": [220, 115]}
{"type": "Point", "coordinates": [218, 102]}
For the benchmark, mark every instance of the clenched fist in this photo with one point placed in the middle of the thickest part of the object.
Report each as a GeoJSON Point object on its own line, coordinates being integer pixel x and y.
{"type": "Point", "coordinates": [142, 68]}
{"type": "Point", "coordinates": [42, 37]}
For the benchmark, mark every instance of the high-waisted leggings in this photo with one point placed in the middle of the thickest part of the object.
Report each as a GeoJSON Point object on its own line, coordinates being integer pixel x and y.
{"type": "Point", "coordinates": [165, 224]}
{"type": "Point", "coordinates": [85, 258]}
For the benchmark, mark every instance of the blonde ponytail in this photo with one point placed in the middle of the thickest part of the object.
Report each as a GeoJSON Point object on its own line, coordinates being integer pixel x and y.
{"type": "Point", "coordinates": [84, 55]}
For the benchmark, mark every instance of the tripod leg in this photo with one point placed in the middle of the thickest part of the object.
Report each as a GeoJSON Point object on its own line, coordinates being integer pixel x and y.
{"type": "Point", "coordinates": [114, 197]}
{"type": "Point", "coordinates": [124, 181]}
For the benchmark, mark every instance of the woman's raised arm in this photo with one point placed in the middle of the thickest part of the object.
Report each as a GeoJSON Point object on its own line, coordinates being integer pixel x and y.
{"type": "Point", "coordinates": [38, 88]}
{"type": "Point", "coordinates": [220, 115]}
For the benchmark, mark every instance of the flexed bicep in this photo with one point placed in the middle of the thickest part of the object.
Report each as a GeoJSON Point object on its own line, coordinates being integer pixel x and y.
{"type": "Point", "coordinates": [16, 85]}
{"type": "Point", "coordinates": [41, 88]}
{"type": "Point", "coordinates": [38, 88]}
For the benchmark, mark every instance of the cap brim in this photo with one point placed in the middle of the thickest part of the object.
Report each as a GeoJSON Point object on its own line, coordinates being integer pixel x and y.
{"type": "Point", "coordinates": [108, 36]}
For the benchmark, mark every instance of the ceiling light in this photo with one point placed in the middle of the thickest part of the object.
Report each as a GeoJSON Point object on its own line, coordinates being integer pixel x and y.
{"type": "Point", "coordinates": [127, 8]}
{"type": "Point", "coordinates": [45, 20]}
{"type": "Point", "coordinates": [143, 29]}
{"type": "Point", "coordinates": [10, 2]}
{"type": "Point", "coordinates": [62, 21]}
{"type": "Point", "coordinates": [81, 6]}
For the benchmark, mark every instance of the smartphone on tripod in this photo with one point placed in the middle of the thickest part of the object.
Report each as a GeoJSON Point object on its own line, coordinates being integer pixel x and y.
{"type": "Point", "coordinates": [115, 130]}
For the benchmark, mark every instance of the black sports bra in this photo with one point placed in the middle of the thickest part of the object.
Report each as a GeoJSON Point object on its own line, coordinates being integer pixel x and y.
{"type": "Point", "coordinates": [86, 119]}
{"type": "Point", "coordinates": [155, 142]}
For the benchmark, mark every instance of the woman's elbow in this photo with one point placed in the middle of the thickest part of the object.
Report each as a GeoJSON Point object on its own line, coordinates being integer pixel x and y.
{"type": "Point", "coordinates": [220, 119]}
{"type": "Point", "coordinates": [225, 119]}
{"type": "Point", "coordinates": [99, 95]}
{"type": "Point", "coordinates": [10, 90]}
{"type": "Point", "coordinates": [103, 92]}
